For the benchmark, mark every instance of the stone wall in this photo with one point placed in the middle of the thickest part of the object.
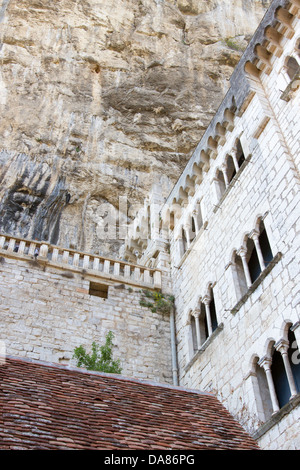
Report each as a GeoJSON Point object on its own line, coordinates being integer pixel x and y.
{"type": "Point", "coordinates": [47, 311]}
{"type": "Point", "coordinates": [253, 316]}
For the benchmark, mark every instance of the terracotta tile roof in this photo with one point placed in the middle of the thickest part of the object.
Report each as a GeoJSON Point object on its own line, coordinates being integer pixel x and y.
{"type": "Point", "coordinates": [47, 406]}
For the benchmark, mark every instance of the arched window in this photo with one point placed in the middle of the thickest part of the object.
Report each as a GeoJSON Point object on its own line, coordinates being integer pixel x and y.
{"type": "Point", "coordinates": [265, 403]}
{"type": "Point", "coordinates": [203, 322]}
{"type": "Point", "coordinates": [264, 244]}
{"type": "Point", "coordinates": [252, 259]}
{"type": "Point", "coordinates": [240, 153]}
{"type": "Point", "coordinates": [212, 310]}
{"type": "Point", "coordinates": [239, 277]}
{"type": "Point", "coordinates": [255, 255]}
{"type": "Point", "coordinates": [280, 379]}
{"type": "Point", "coordinates": [193, 337]}
{"type": "Point", "coordinates": [198, 326]}
{"type": "Point", "coordinates": [282, 369]}
{"type": "Point", "coordinates": [294, 358]}
{"type": "Point", "coordinates": [193, 231]}
{"type": "Point", "coordinates": [230, 168]}
{"type": "Point", "coordinates": [292, 67]}
{"type": "Point", "coordinates": [221, 183]}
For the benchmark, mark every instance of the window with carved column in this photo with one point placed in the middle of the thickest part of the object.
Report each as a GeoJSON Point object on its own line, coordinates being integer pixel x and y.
{"type": "Point", "coordinates": [203, 321]}
{"type": "Point", "coordinates": [252, 258]}
{"type": "Point", "coordinates": [281, 381]}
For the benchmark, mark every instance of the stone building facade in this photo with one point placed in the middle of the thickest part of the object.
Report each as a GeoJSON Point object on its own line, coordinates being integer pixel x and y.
{"type": "Point", "coordinates": [224, 242]}
{"type": "Point", "coordinates": [232, 223]}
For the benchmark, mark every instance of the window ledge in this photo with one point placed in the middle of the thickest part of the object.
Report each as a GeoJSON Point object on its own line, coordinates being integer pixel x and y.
{"type": "Point", "coordinates": [232, 182]}
{"type": "Point", "coordinates": [256, 283]}
{"type": "Point", "coordinates": [277, 417]}
{"type": "Point", "coordinates": [204, 346]}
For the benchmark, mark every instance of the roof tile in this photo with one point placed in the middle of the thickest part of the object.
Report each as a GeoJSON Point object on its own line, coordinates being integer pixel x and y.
{"type": "Point", "coordinates": [47, 406]}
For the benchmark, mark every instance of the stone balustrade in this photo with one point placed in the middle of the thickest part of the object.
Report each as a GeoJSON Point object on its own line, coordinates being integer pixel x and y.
{"type": "Point", "coordinates": [111, 269]}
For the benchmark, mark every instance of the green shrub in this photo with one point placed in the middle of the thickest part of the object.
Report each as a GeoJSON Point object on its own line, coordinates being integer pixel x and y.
{"type": "Point", "coordinates": [156, 301]}
{"type": "Point", "coordinates": [101, 358]}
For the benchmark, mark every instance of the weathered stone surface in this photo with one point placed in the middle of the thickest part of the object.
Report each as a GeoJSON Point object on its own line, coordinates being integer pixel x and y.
{"type": "Point", "coordinates": [99, 99]}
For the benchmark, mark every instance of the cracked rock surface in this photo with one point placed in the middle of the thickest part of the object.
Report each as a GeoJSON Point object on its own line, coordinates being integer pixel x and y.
{"type": "Point", "coordinates": [100, 99]}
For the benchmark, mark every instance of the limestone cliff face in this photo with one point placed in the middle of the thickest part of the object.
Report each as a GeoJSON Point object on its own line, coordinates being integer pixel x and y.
{"type": "Point", "coordinates": [98, 99]}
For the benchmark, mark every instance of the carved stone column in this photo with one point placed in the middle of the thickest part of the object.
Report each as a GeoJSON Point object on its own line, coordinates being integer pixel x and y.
{"type": "Point", "coordinates": [283, 346]}
{"type": "Point", "coordinates": [266, 362]}
{"type": "Point", "coordinates": [235, 162]}
{"type": "Point", "coordinates": [196, 315]}
{"type": "Point", "coordinates": [206, 301]}
{"type": "Point", "coordinates": [255, 237]}
{"type": "Point", "coordinates": [243, 253]}
{"type": "Point", "coordinates": [225, 176]}
{"type": "Point", "coordinates": [187, 231]}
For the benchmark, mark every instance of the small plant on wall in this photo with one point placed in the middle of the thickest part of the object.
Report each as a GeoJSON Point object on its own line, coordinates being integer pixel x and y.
{"type": "Point", "coordinates": [101, 357]}
{"type": "Point", "coordinates": [156, 301]}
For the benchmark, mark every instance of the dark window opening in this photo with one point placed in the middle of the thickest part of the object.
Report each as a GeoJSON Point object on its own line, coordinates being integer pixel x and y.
{"type": "Point", "coordinates": [292, 67]}
{"type": "Point", "coordinates": [264, 392]}
{"type": "Point", "coordinates": [294, 358]}
{"type": "Point", "coordinates": [184, 241]}
{"type": "Point", "coordinates": [265, 247]}
{"type": "Point", "coordinates": [240, 154]}
{"type": "Point", "coordinates": [98, 290]}
{"type": "Point", "coordinates": [193, 234]}
{"type": "Point", "coordinates": [230, 170]}
{"type": "Point", "coordinates": [213, 314]}
{"type": "Point", "coordinates": [203, 324]}
{"type": "Point", "coordinates": [194, 335]}
{"type": "Point", "coordinates": [253, 262]}
{"type": "Point", "coordinates": [280, 379]}
{"type": "Point", "coordinates": [221, 181]}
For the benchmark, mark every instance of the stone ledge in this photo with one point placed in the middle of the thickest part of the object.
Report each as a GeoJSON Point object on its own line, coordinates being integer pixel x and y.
{"type": "Point", "coordinates": [204, 346]}
{"type": "Point", "coordinates": [256, 283]}
{"type": "Point", "coordinates": [277, 417]}
{"type": "Point", "coordinates": [70, 261]}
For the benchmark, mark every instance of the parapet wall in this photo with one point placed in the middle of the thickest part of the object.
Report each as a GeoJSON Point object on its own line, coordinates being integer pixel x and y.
{"type": "Point", "coordinates": [53, 301]}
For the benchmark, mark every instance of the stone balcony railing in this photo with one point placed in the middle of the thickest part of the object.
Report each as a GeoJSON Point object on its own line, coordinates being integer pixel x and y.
{"type": "Point", "coordinates": [71, 260]}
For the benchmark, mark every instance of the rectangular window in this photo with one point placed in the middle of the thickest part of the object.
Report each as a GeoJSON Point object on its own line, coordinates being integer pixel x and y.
{"type": "Point", "coordinates": [98, 290]}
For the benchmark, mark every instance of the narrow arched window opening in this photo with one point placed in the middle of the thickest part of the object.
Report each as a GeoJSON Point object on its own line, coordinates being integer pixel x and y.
{"type": "Point", "coordinates": [280, 379]}
{"type": "Point", "coordinates": [194, 334]}
{"type": "Point", "coordinates": [294, 358]}
{"type": "Point", "coordinates": [212, 310]}
{"type": "Point", "coordinates": [230, 168]}
{"type": "Point", "coordinates": [253, 261]}
{"type": "Point", "coordinates": [264, 392]}
{"type": "Point", "coordinates": [193, 231]}
{"type": "Point", "coordinates": [203, 324]}
{"type": "Point", "coordinates": [292, 67]}
{"type": "Point", "coordinates": [184, 240]}
{"type": "Point", "coordinates": [265, 245]}
{"type": "Point", "coordinates": [239, 276]}
{"type": "Point", "coordinates": [240, 154]}
{"type": "Point", "coordinates": [221, 182]}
